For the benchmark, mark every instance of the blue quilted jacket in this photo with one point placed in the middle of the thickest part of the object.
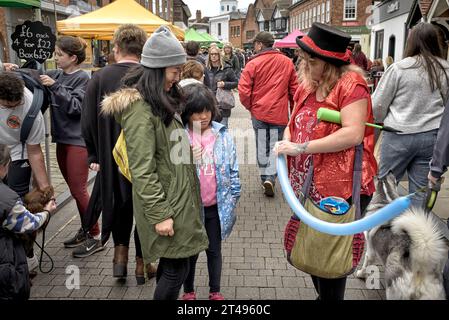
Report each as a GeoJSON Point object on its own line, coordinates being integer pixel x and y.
{"type": "Point", "coordinates": [227, 176]}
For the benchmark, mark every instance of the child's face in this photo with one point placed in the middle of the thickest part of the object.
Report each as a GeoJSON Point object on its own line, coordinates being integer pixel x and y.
{"type": "Point", "coordinates": [200, 120]}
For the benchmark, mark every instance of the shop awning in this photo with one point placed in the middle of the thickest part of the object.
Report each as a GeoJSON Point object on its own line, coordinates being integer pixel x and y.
{"type": "Point", "coordinates": [20, 3]}
{"type": "Point", "coordinates": [102, 23]}
{"type": "Point", "coordinates": [289, 41]}
{"type": "Point", "coordinates": [204, 39]}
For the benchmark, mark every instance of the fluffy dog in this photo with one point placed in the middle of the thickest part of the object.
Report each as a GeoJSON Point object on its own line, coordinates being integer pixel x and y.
{"type": "Point", "coordinates": [412, 247]}
{"type": "Point", "coordinates": [35, 202]}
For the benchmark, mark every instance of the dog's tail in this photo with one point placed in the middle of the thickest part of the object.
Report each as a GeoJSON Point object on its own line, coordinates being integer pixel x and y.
{"type": "Point", "coordinates": [428, 247]}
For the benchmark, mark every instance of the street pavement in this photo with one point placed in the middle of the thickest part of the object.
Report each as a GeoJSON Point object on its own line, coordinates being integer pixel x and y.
{"type": "Point", "coordinates": [254, 263]}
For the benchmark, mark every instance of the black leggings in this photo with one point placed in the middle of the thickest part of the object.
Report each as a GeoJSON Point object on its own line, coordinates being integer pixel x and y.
{"type": "Point", "coordinates": [171, 274]}
{"type": "Point", "coordinates": [214, 259]}
{"type": "Point", "coordinates": [334, 289]}
{"type": "Point", "coordinates": [123, 224]}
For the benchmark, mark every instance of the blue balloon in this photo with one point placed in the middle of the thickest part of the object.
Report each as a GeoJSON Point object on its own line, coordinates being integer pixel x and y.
{"type": "Point", "coordinates": [385, 214]}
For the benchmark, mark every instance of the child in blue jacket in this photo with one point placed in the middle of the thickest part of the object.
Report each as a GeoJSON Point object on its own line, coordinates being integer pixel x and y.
{"type": "Point", "coordinates": [215, 154]}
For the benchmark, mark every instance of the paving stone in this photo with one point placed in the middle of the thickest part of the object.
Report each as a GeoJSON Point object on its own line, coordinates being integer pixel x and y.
{"type": "Point", "coordinates": [251, 293]}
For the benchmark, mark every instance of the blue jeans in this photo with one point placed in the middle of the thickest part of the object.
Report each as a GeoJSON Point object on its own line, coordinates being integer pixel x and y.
{"type": "Point", "coordinates": [267, 135]}
{"type": "Point", "coordinates": [411, 154]}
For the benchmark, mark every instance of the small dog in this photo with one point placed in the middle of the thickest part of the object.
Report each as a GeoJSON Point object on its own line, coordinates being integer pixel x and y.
{"type": "Point", "coordinates": [35, 202]}
{"type": "Point", "coordinates": [412, 247]}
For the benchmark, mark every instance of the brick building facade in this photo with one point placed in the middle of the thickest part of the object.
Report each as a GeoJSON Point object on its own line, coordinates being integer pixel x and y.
{"type": "Point", "coordinates": [251, 27]}
{"type": "Point", "coordinates": [348, 15]}
{"type": "Point", "coordinates": [235, 32]}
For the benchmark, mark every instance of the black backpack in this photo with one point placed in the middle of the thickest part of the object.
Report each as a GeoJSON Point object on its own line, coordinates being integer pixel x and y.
{"type": "Point", "coordinates": [30, 73]}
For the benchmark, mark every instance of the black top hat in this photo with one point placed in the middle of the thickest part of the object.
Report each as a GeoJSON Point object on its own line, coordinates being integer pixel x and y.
{"type": "Point", "coordinates": [327, 43]}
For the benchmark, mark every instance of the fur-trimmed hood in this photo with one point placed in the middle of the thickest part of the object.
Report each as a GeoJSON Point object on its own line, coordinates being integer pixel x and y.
{"type": "Point", "coordinates": [119, 101]}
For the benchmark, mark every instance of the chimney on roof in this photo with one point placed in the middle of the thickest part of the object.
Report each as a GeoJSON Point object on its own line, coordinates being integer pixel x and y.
{"type": "Point", "coordinates": [198, 15]}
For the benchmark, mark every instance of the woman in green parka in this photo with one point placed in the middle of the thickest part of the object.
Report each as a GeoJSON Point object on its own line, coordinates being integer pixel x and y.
{"type": "Point", "coordinates": [166, 194]}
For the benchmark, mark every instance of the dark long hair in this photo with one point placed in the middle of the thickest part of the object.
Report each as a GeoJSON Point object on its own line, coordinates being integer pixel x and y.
{"type": "Point", "coordinates": [198, 98]}
{"type": "Point", "coordinates": [150, 83]}
{"type": "Point", "coordinates": [424, 44]}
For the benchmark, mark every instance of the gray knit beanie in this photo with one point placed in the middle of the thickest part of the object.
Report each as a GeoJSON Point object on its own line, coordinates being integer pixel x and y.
{"type": "Point", "coordinates": [162, 50]}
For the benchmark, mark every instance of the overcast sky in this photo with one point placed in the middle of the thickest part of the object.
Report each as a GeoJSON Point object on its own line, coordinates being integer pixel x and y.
{"type": "Point", "coordinates": [210, 8]}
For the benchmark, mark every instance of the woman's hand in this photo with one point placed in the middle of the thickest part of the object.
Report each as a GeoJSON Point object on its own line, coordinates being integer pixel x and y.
{"type": "Point", "coordinates": [289, 148]}
{"type": "Point", "coordinates": [434, 180]}
{"type": "Point", "coordinates": [220, 84]}
{"type": "Point", "coordinates": [51, 205]}
{"type": "Point", "coordinates": [165, 228]}
{"type": "Point", "coordinates": [10, 66]}
{"type": "Point", "coordinates": [197, 153]}
{"type": "Point", "coordinates": [47, 81]}
{"type": "Point", "coordinates": [94, 167]}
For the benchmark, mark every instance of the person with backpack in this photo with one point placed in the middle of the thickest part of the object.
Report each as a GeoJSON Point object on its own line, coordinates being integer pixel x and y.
{"type": "Point", "coordinates": [67, 87]}
{"type": "Point", "coordinates": [27, 157]}
{"type": "Point", "coordinates": [15, 219]}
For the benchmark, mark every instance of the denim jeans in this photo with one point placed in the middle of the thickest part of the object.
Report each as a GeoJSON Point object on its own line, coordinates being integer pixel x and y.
{"type": "Point", "coordinates": [411, 154]}
{"type": "Point", "coordinates": [267, 135]}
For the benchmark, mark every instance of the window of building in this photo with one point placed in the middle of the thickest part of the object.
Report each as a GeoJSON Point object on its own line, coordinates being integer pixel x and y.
{"type": "Point", "coordinates": [238, 31]}
{"type": "Point", "coordinates": [379, 45]}
{"type": "Point", "coordinates": [310, 17]}
{"type": "Point", "coordinates": [222, 8]}
{"type": "Point", "coordinates": [323, 12]}
{"type": "Point", "coordinates": [328, 11]}
{"type": "Point", "coordinates": [267, 26]}
{"type": "Point", "coordinates": [250, 34]}
{"type": "Point", "coordinates": [233, 8]}
{"type": "Point", "coordinates": [219, 29]}
{"type": "Point", "coordinates": [350, 10]}
{"type": "Point", "coordinates": [227, 8]}
{"type": "Point", "coordinates": [392, 46]}
{"type": "Point", "coordinates": [318, 13]}
{"type": "Point", "coordinates": [314, 15]}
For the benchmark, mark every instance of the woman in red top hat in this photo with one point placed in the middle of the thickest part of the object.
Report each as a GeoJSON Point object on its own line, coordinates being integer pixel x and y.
{"type": "Point", "coordinates": [328, 80]}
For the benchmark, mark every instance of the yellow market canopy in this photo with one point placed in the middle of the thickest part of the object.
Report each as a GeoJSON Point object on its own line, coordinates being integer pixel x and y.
{"type": "Point", "coordinates": [102, 23]}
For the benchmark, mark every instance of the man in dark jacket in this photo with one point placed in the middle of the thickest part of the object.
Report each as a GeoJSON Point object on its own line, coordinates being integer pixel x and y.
{"type": "Point", "coordinates": [266, 88]}
{"type": "Point", "coordinates": [438, 166]}
{"type": "Point", "coordinates": [112, 193]}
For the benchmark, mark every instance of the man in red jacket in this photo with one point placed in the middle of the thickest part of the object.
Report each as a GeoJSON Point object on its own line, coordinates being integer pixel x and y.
{"type": "Point", "coordinates": [266, 88]}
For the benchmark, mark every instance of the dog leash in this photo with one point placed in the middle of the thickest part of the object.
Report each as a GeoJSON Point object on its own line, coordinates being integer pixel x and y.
{"type": "Point", "coordinates": [52, 264]}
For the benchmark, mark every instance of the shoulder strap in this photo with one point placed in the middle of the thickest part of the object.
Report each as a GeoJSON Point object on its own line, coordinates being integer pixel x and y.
{"type": "Point", "coordinates": [356, 180]}
{"type": "Point", "coordinates": [38, 99]}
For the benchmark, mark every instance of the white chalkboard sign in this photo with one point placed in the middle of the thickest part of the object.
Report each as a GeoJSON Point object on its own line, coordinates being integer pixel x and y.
{"type": "Point", "coordinates": [33, 41]}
